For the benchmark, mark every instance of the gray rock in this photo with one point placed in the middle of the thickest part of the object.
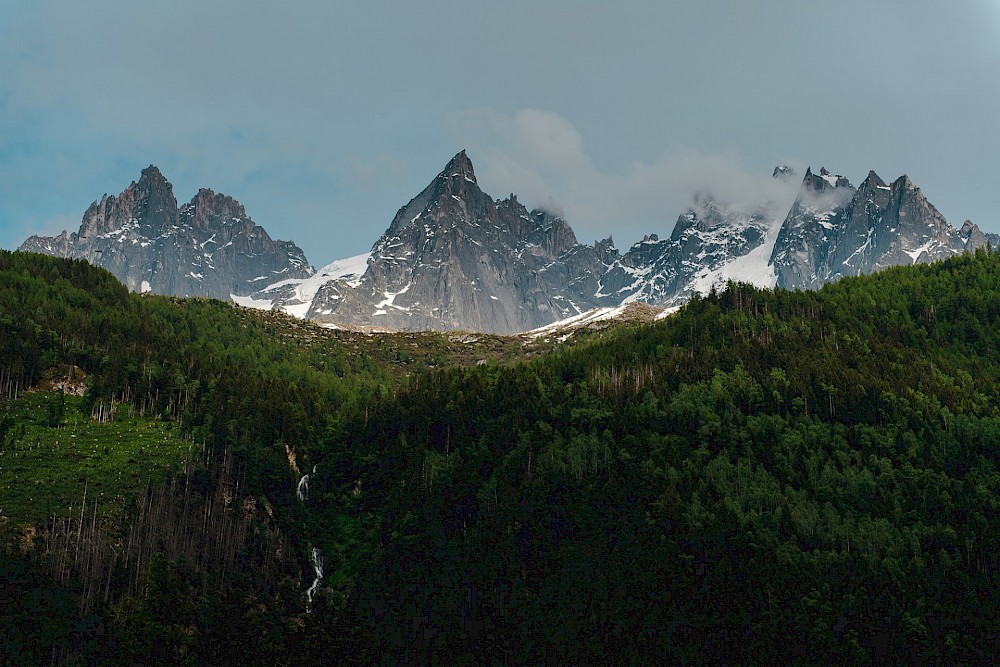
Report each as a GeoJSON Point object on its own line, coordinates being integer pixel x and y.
{"type": "Point", "coordinates": [208, 247]}
{"type": "Point", "coordinates": [834, 231]}
{"type": "Point", "coordinates": [805, 236]}
{"type": "Point", "coordinates": [453, 258]}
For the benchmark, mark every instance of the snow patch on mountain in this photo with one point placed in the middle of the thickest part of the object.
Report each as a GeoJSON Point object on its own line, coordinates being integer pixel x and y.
{"type": "Point", "coordinates": [600, 317]}
{"type": "Point", "coordinates": [250, 302]}
{"type": "Point", "coordinates": [583, 319]}
{"type": "Point", "coordinates": [754, 267]}
{"type": "Point", "coordinates": [295, 295]}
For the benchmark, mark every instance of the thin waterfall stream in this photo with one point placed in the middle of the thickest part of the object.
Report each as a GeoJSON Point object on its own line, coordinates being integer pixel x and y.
{"type": "Point", "coordinates": [302, 491]}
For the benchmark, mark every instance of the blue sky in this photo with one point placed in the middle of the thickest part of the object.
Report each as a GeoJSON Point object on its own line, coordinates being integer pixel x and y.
{"type": "Point", "coordinates": [323, 118]}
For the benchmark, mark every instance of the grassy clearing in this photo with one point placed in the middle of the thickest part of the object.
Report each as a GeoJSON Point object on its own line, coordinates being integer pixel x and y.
{"type": "Point", "coordinates": [45, 469]}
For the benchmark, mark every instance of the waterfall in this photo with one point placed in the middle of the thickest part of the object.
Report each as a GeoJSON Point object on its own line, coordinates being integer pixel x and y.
{"type": "Point", "coordinates": [302, 490]}
{"type": "Point", "coordinates": [317, 562]}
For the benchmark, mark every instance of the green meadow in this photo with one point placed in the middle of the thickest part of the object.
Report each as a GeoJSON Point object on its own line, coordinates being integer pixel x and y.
{"type": "Point", "coordinates": [52, 453]}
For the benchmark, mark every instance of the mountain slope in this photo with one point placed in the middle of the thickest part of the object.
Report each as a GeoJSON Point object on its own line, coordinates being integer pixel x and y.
{"type": "Point", "coordinates": [453, 258]}
{"type": "Point", "coordinates": [207, 247]}
{"type": "Point", "coordinates": [712, 242]}
{"type": "Point", "coordinates": [755, 479]}
{"type": "Point", "coordinates": [804, 238]}
{"type": "Point", "coordinates": [767, 476]}
{"type": "Point", "coordinates": [834, 230]}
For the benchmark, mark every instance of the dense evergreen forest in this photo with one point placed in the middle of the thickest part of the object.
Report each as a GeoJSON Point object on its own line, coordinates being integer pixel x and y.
{"type": "Point", "coordinates": [765, 476]}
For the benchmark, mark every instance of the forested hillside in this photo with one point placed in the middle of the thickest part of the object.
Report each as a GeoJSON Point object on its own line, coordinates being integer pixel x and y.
{"type": "Point", "coordinates": [765, 476]}
{"type": "Point", "coordinates": [234, 400]}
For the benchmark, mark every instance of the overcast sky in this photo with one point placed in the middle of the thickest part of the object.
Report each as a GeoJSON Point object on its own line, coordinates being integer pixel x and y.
{"type": "Point", "coordinates": [323, 118]}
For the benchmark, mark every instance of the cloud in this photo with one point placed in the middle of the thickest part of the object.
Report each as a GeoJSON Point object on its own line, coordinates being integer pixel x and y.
{"type": "Point", "coordinates": [547, 138]}
{"type": "Point", "coordinates": [551, 207]}
{"type": "Point", "coordinates": [542, 157]}
{"type": "Point", "coordinates": [830, 199]}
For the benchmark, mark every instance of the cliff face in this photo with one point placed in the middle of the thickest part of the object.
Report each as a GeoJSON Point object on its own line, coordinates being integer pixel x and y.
{"type": "Point", "coordinates": [453, 258]}
{"type": "Point", "coordinates": [207, 247]}
{"type": "Point", "coordinates": [805, 237]}
{"type": "Point", "coordinates": [834, 231]}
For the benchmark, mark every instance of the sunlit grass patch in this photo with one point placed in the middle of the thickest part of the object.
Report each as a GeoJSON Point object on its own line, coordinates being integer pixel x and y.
{"type": "Point", "coordinates": [45, 469]}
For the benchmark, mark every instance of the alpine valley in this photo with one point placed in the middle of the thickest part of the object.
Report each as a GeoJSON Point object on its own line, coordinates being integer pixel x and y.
{"type": "Point", "coordinates": [453, 258]}
{"type": "Point", "coordinates": [767, 476]}
{"type": "Point", "coordinates": [764, 477]}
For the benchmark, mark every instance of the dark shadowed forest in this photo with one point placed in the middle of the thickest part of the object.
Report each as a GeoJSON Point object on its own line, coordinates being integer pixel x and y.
{"type": "Point", "coordinates": [807, 477]}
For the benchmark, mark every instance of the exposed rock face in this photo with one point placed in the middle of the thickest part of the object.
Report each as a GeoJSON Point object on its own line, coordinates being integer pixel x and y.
{"type": "Point", "coordinates": [834, 231]}
{"type": "Point", "coordinates": [208, 247]}
{"type": "Point", "coordinates": [975, 237]}
{"type": "Point", "coordinates": [712, 242]}
{"type": "Point", "coordinates": [453, 258]}
{"type": "Point", "coordinates": [804, 240]}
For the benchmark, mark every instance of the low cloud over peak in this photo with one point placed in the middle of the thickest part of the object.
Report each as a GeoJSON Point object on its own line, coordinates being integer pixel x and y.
{"type": "Point", "coordinates": [543, 158]}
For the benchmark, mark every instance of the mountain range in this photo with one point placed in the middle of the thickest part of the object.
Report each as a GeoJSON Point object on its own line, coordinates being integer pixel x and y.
{"type": "Point", "coordinates": [207, 247]}
{"type": "Point", "coordinates": [455, 258]}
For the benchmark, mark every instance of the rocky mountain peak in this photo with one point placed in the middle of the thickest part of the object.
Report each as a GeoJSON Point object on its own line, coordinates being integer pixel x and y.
{"type": "Point", "coordinates": [904, 183]}
{"type": "Point", "coordinates": [460, 165]}
{"type": "Point", "coordinates": [155, 191]}
{"type": "Point", "coordinates": [836, 180]}
{"type": "Point", "coordinates": [872, 180]}
{"type": "Point", "coordinates": [148, 203]}
{"type": "Point", "coordinates": [204, 196]}
{"type": "Point", "coordinates": [972, 235]}
{"type": "Point", "coordinates": [548, 230]}
{"type": "Point", "coordinates": [874, 190]}
{"type": "Point", "coordinates": [458, 182]}
{"type": "Point", "coordinates": [912, 205]}
{"type": "Point", "coordinates": [152, 177]}
{"type": "Point", "coordinates": [783, 172]}
{"type": "Point", "coordinates": [209, 208]}
{"type": "Point", "coordinates": [208, 247]}
{"type": "Point", "coordinates": [810, 230]}
{"type": "Point", "coordinates": [452, 196]}
{"type": "Point", "coordinates": [813, 183]}
{"type": "Point", "coordinates": [454, 258]}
